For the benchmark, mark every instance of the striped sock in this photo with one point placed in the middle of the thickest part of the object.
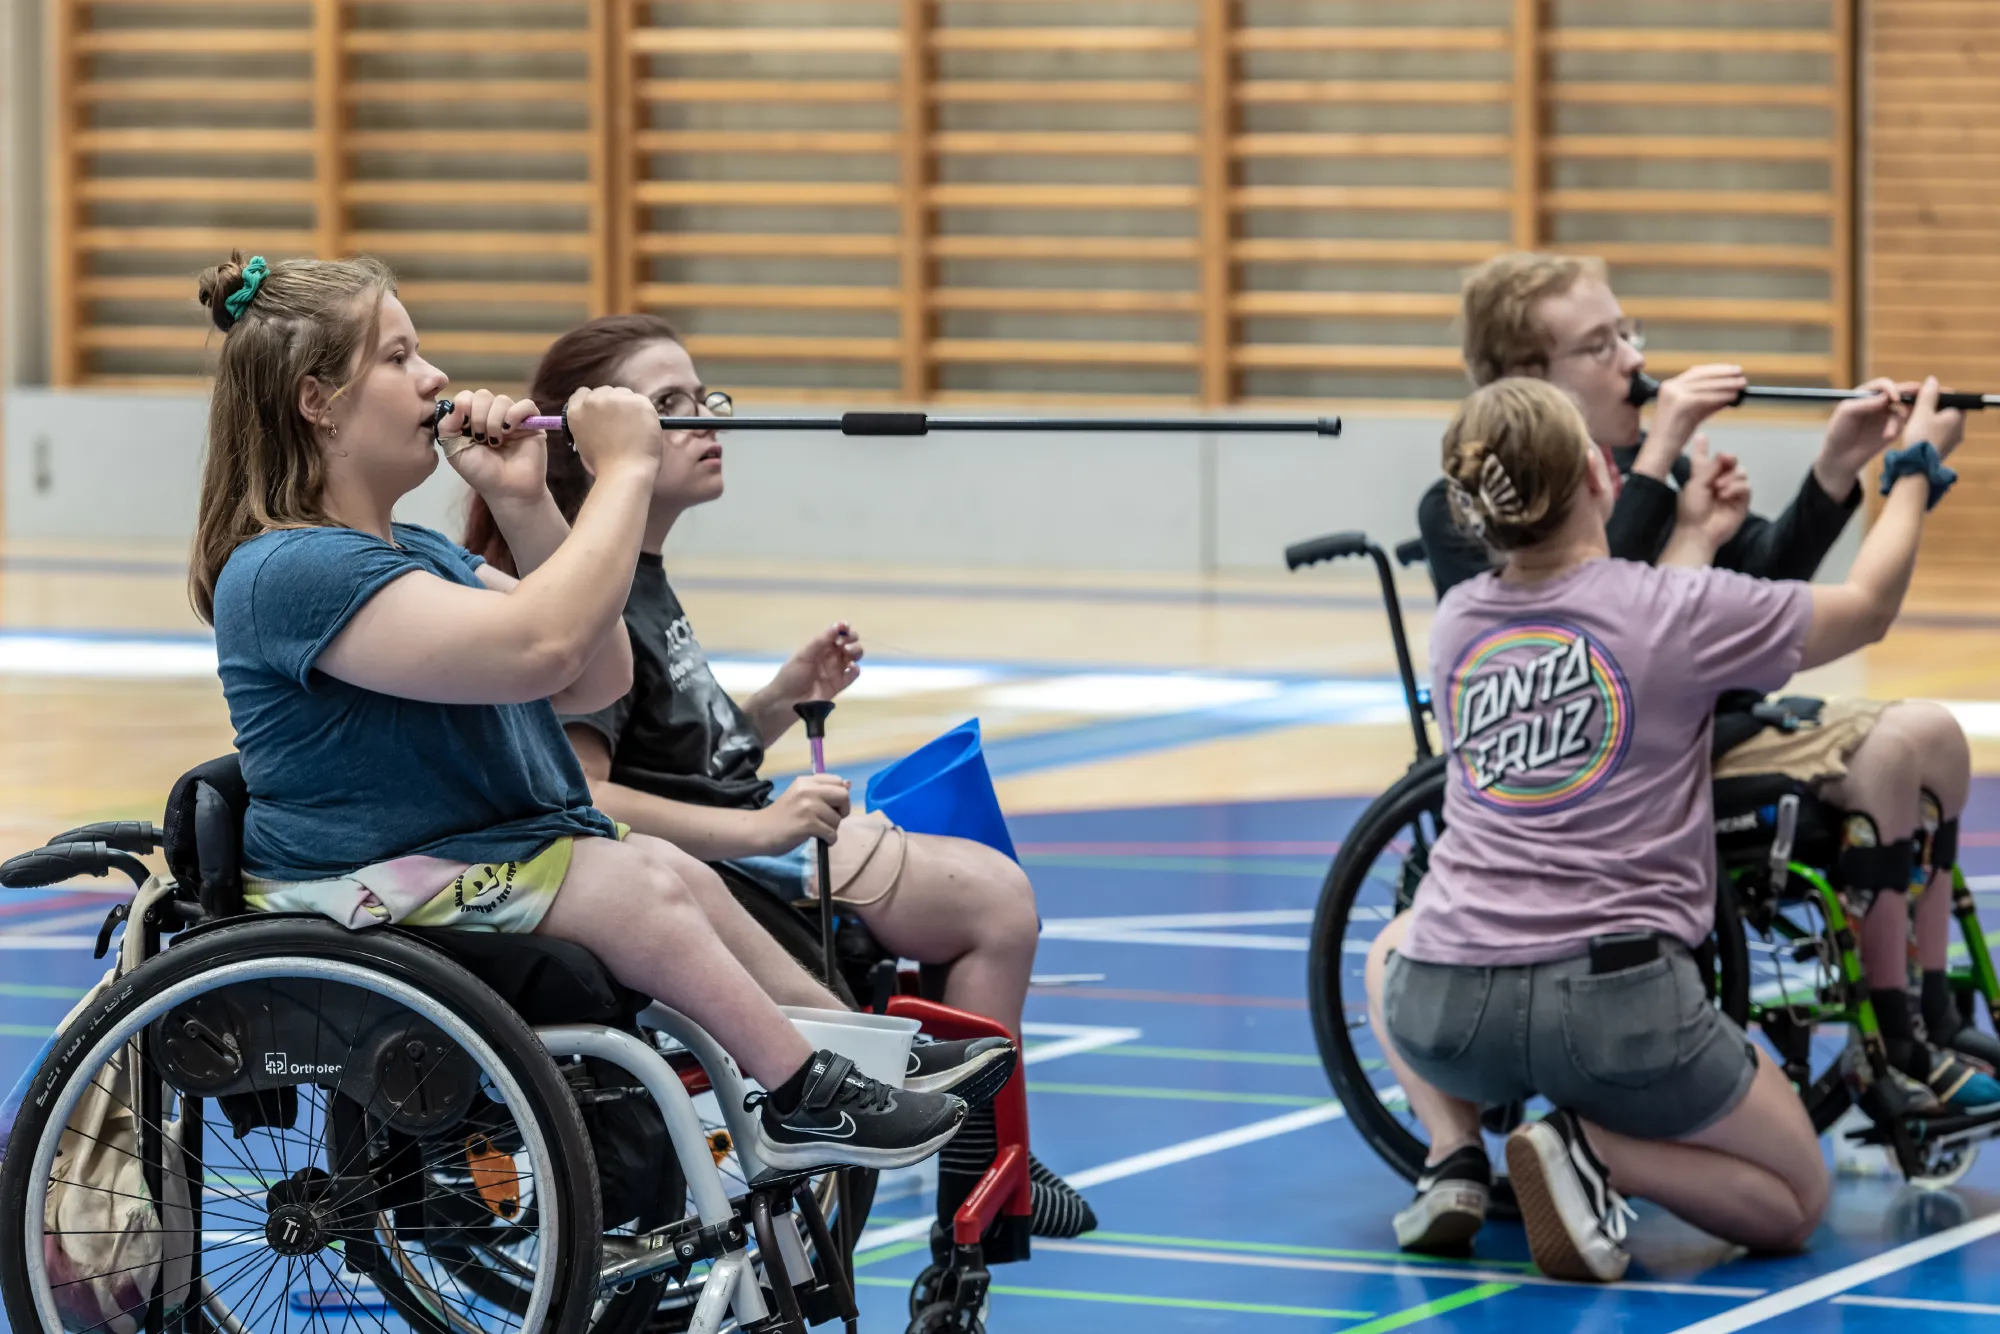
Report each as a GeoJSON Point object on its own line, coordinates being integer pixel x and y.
{"type": "Point", "coordinates": [1058, 1210]}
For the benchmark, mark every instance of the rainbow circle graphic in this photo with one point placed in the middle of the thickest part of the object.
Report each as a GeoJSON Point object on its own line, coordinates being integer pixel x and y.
{"type": "Point", "coordinates": [1591, 770]}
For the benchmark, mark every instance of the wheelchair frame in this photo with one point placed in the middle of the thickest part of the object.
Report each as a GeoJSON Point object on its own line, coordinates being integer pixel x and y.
{"type": "Point", "coordinates": [719, 1229]}
{"type": "Point", "coordinates": [1918, 1143]}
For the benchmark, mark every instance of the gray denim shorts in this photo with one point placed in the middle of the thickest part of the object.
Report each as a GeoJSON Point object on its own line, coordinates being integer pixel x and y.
{"type": "Point", "coordinates": [1641, 1051]}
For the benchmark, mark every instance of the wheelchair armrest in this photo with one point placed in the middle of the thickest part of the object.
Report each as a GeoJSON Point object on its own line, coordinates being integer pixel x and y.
{"type": "Point", "coordinates": [66, 861]}
{"type": "Point", "coordinates": [137, 837]}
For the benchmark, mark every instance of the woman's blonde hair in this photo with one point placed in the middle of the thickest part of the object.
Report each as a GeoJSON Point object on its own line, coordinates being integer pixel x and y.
{"type": "Point", "coordinates": [1498, 316]}
{"type": "Point", "coordinates": [263, 468]}
{"type": "Point", "coordinates": [1514, 458]}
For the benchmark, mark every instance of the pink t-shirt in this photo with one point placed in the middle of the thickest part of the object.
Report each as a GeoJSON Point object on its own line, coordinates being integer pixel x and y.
{"type": "Point", "coordinates": [1576, 714]}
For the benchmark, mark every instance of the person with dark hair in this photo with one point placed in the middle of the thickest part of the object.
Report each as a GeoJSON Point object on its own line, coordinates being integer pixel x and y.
{"type": "Point", "coordinates": [678, 758]}
{"type": "Point", "coordinates": [394, 697]}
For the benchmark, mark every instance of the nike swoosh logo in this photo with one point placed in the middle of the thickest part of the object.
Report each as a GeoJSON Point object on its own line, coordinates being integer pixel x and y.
{"type": "Point", "coordinates": [845, 1130]}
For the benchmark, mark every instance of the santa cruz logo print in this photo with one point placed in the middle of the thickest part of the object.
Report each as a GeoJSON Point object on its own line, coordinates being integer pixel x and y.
{"type": "Point", "coordinates": [1540, 717]}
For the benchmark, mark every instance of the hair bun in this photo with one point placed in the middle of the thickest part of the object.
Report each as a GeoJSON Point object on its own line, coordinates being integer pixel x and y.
{"type": "Point", "coordinates": [217, 285]}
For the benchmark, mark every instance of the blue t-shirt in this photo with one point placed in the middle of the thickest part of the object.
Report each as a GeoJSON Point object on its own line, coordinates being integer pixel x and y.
{"type": "Point", "coordinates": [341, 777]}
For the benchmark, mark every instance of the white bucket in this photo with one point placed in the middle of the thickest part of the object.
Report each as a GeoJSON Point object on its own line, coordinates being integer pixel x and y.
{"type": "Point", "coordinates": [878, 1044]}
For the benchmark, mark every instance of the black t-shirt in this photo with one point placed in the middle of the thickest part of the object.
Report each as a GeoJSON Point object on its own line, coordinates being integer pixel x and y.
{"type": "Point", "coordinates": [1788, 547]}
{"type": "Point", "coordinates": [676, 734]}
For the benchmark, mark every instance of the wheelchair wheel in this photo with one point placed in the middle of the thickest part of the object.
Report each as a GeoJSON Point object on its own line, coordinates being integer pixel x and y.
{"type": "Point", "coordinates": [1375, 877]}
{"type": "Point", "coordinates": [328, 1125]}
{"type": "Point", "coordinates": [790, 928]}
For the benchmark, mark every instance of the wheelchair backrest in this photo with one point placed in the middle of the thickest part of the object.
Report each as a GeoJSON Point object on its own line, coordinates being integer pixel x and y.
{"type": "Point", "coordinates": [204, 834]}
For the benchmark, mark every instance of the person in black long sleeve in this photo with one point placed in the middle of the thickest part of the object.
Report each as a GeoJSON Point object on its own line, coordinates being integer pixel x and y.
{"type": "Point", "coordinates": [1555, 318]}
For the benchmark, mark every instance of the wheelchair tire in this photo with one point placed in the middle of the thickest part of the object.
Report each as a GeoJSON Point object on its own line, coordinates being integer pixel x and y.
{"type": "Point", "coordinates": [1335, 984]}
{"type": "Point", "coordinates": [533, 1101]}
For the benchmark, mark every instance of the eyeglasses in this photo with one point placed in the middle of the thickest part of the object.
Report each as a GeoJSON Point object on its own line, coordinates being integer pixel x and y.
{"type": "Point", "coordinates": [1604, 347]}
{"type": "Point", "coordinates": [680, 403]}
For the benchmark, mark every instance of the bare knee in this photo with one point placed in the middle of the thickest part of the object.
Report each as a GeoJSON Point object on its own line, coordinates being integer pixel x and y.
{"type": "Point", "coordinates": [1944, 753]}
{"type": "Point", "coordinates": [1007, 917]}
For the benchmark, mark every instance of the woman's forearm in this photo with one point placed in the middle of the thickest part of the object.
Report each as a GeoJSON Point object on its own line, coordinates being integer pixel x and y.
{"type": "Point", "coordinates": [574, 598]}
{"type": "Point", "coordinates": [710, 833]}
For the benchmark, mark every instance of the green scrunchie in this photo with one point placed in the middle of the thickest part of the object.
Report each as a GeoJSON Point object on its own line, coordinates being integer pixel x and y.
{"type": "Point", "coordinates": [239, 300]}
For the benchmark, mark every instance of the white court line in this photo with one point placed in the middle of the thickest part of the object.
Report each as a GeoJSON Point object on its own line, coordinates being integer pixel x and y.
{"type": "Point", "coordinates": [48, 942]}
{"type": "Point", "coordinates": [1144, 1162]}
{"type": "Point", "coordinates": [1214, 940]}
{"type": "Point", "coordinates": [1065, 926]}
{"type": "Point", "coordinates": [1388, 1269]}
{"type": "Point", "coordinates": [1920, 1304]}
{"type": "Point", "coordinates": [48, 926]}
{"type": "Point", "coordinates": [1840, 1280]}
{"type": "Point", "coordinates": [1073, 1040]}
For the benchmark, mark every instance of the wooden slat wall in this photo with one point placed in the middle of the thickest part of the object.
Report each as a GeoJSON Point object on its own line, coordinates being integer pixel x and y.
{"type": "Point", "coordinates": [1704, 147]}
{"type": "Point", "coordinates": [462, 142]}
{"type": "Point", "coordinates": [1933, 271]}
{"type": "Point", "coordinates": [1182, 201]}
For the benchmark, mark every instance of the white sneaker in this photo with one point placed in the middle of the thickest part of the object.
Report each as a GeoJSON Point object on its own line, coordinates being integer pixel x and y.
{"type": "Point", "coordinates": [1450, 1206]}
{"type": "Point", "coordinates": [1575, 1221]}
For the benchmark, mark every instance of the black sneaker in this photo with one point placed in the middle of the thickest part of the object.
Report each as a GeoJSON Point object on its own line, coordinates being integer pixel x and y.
{"type": "Point", "coordinates": [972, 1068]}
{"type": "Point", "coordinates": [845, 1119]}
{"type": "Point", "coordinates": [1450, 1205]}
{"type": "Point", "coordinates": [1575, 1221]}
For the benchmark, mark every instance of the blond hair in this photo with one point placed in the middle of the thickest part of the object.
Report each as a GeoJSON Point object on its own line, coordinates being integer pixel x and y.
{"type": "Point", "coordinates": [1514, 458]}
{"type": "Point", "coordinates": [263, 468]}
{"type": "Point", "coordinates": [1497, 311]}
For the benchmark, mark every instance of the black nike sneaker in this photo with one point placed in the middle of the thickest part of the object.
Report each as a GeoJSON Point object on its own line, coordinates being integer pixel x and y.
{"type": "Point", "coordinates": [972, 1068]}
{"type": "Point", "coordinates": [845, 1119]}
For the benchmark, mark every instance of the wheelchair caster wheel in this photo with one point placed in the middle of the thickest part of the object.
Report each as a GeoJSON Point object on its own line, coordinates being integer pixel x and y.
{"type": "Point", "coordinates": [928, 1290]}
{"type": "Point", "coordinates": [945, 1318]}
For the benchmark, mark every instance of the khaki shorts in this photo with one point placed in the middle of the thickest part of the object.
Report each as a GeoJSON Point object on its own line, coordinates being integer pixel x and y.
{"type": "Point", "coordinates": [1815, 753]}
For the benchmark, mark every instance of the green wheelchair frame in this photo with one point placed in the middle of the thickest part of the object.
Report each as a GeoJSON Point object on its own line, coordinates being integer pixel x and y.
{"type": "Point", "coordinates": [1756, 883]}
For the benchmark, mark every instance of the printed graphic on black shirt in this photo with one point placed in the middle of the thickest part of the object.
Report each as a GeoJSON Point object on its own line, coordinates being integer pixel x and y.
{"type": "Point", "coordinates": [1541, 716]}
{"type": "Point", "coordinates": [677, 734]}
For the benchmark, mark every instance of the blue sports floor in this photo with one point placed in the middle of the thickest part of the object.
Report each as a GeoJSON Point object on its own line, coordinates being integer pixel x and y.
{"type": "Point", "coordinates": [1174, 1076]}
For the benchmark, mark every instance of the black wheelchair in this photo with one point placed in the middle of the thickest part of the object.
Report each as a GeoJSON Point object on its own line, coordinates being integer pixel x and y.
{"type": "Point", "coordinates": [1782, 960]}
{"type": "Point", "coordinates": [265, 1119]}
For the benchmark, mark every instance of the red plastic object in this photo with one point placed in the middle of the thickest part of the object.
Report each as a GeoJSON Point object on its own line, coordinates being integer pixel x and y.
{"type": "Point", "coordinates": [1004, 1187]}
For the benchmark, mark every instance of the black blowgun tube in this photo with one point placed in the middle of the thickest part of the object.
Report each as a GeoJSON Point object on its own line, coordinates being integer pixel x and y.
{"type": "Point", "coordinates": [918, 423]}
{"type": "Point", "coordinates": [1645, 389]}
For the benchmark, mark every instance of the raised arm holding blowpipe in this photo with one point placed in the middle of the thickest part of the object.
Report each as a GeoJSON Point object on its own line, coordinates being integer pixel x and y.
{"type": "Point", "coordinates": [1645, 389]}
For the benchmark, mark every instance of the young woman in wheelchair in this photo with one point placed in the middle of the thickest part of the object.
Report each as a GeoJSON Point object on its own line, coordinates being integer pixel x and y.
{"type": "Point", "coordinates": [678, 758]}
{"type": "Point", "coordinates": [394, 698]}
{"type": "Point", "coordinates": [1901, 770]}
{"type": "Point", "coordinates": [1548, 950]}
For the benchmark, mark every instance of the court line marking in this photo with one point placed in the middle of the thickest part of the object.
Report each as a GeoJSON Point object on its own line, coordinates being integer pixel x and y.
{"type": "Point", "coordinates": [1135, 1299]}
{"type": "Point", "coordinates": [1186, 1150]}
{"type": "Point", "coordinates": [1851, 1276]}
{"type": "Point", "coordinates": [1920, 1304]}
{"type": "Point", "coordinates": [1432, 1309]}
{"type": "Point", "coordinates": [13, 942]}
{"type": "Point", "coordinates": [1073, 1040]}
{"type": "Point", "coordinates": [1315, 1252]}
{"type": "Point", "coordinates": [1391, 1270]}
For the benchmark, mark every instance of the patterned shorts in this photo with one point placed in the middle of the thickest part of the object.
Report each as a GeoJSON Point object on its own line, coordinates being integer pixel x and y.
{"type": "Point", "coordinates": [509, 897]}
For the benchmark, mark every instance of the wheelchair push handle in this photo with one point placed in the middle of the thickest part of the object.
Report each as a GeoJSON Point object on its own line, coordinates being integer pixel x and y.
{"type": "Point", "coordinates": [1338, 546]}
{"type": "Point", "coordinates": [138, 837]}
{"type": "Point", "coordinates": [1334, 546]}
{"type": "Point", "coordinates": [52, 865]}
